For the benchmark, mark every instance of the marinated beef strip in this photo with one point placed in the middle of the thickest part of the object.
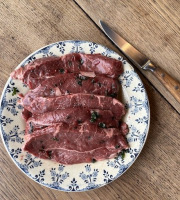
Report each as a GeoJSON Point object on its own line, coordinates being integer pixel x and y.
{"type": "Point", "coordinates": [37, 71]}
{"type": "Point", "coordinates": [43, 104]}
{"type": "Point", "coordinates": [86, 140]}
{"type": "Point", "coordinates": [67, 157]}
{"type": "Point", "coordinates": [72, 116]}
{"type": "Point", "coordinates": [74, 83]}
{"type": "Point", "coordinates": [96, 63]}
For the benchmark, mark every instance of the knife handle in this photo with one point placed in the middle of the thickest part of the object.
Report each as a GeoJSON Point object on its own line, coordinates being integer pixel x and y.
{"type": "Point", "coordinates": [172, 85]}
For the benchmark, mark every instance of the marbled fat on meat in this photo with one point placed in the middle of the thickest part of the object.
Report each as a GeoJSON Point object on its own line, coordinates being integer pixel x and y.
{"type": "Point", "coordinates": [73, 83]}
{"type": "Point", "coordinates": [42, 104]}
{"type": "Point", "coordinates": [73, 116]}
{"type": "Point", "coordinates": [87, 140]}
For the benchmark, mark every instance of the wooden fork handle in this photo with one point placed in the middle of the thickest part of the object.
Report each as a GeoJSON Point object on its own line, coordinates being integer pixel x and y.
{"type": "Point", "coordinates": [172, 85]}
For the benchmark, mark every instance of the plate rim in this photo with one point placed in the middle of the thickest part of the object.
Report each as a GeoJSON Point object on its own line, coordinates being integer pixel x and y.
{"type": "Point", "coordinates": [84, 189]}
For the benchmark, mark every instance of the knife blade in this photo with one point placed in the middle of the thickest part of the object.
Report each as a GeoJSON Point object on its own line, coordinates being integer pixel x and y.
{"type": "Point", "coordinates": [140, 60]}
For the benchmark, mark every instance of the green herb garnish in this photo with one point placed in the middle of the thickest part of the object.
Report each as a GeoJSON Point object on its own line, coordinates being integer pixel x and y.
{"type": "Point", "coordinates": [89, 137]}
{"type": "Point", "coordinates": [122, 154]}
{"type": "Point", "coordinates": [70, 63]}
{"type": "Point", "coordinates": [79, 79]}
{"type": "Point", "coordinates": [49, 153]}
{"type": "Point", "coordinates": [83, 78]}
{"type": "Point", "coordinates": [101, 142]}
{"type": "Point", "coordinates": [81, 61]}
{"type": "Point", "coordinates": [55, 138]}
{"type": "Point", "coordinates": [79, 82]}
{"type": "Point", "coordinates": [14, 91]}
{"type": "Point", "coordinates": [79, 121]}
{"type": "Point", "coordinates": [94, 116]}
{"type": "Point", "coordinates": [117, 146]}
{"type": "Point", "coordinates": [94, 160]}
{"type": "Point", "coordinates": [102, 125]}
{"type": "Point", "coordinates": [93, 81]}
{"type": "Point", "coordinates": [61, 71]}
{"type": "Point", "coordinates": [51, 91]}
{"type": "Point", "coordinates": [113, 95]}
{"type": "Point", "coordinates": [68, 117]}
{"type": "Point", "coordinates": [42, 149]}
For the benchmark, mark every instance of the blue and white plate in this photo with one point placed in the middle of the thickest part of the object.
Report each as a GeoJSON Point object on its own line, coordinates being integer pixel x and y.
{"type": "Point", "coordinates": [78, 177]}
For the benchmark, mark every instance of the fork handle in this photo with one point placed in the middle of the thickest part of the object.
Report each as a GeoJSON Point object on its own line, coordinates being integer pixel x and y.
{"type": "Point", "coordinates": [172, 85]}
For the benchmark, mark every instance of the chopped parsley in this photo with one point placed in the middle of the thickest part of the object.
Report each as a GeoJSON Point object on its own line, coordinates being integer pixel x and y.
{"type": "Point", "coordinates": [101, 142]}
{"type": "Point", "coordinates": [79, 121]}
{"type": "Point", "coordinates": [42, 149]}
{"type": "Point", "coordinates": [122, 154]}
{"type": "Point", "coordinates": [68, 117]}
{"type": "Point", "coordinates": [79, 82]}
{"type": "Point", "coordinates": [94, 116]}
{"type": "Point", "coordinates": [113, 95]}
{"type": "Point", "coordinates": [102, 125]}
{"type": "Point", "coordinates": [81, 61]}
{"type": "Point", "coordinates": [89, 137]}
{"type": "Point", "coordinates": [51, 91]}
{"type": "Point", "coordinates": [93, 81]}
{"type": "Point", "coordinates": [70, 63]}
{"type": "Point", "coordinates": [81, 78]}
{"type": "Point", "coordinates": [55, 138]}
{"type": "Point", "coordinates": [94, 160]}
{"type": "Point", "coordinates": [14, 91]}
{"type": "Point", "coordinates": [117, 146]}
{"type": "Point", "coordinates": [61, 70]}
{"type": "Point", "coordinates": [49, 153]}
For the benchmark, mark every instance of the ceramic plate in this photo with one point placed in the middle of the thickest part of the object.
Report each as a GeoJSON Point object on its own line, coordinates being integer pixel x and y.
{"type": "Point", "coordinates": [78, 177]}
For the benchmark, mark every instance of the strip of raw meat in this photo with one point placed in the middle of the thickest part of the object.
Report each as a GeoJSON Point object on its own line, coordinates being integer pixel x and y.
{"type": "Point", "coordinates": [40, 69]}
{"type": "Point", "coordinates": [85, 140]}
{"type": "Point", "coordinates": [42, 105]}
{"type": "Point", "coordinates": [72, 116]}
{"type": "Point", "coordinates": [74, 83]}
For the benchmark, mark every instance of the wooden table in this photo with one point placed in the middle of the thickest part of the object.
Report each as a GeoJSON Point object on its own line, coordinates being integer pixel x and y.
{"type": "Point", "coordinates": [153, 27]}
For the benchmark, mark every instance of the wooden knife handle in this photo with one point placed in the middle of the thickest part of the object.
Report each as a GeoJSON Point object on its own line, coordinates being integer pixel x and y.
{"type": "Point", "coordinates": [172, 85]}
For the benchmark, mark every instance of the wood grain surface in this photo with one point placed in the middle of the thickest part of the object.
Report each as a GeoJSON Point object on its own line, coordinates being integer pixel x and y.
{"type": "Point", "coordinates": [153, 27]}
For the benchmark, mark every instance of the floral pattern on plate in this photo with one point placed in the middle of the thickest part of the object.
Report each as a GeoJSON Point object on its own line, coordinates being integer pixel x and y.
{"type": "Point", "coordinates": [85, 176]}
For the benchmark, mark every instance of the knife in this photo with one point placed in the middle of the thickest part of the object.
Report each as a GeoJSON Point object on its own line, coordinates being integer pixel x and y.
{"type": "Point", "coordinates": [140, 60]}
